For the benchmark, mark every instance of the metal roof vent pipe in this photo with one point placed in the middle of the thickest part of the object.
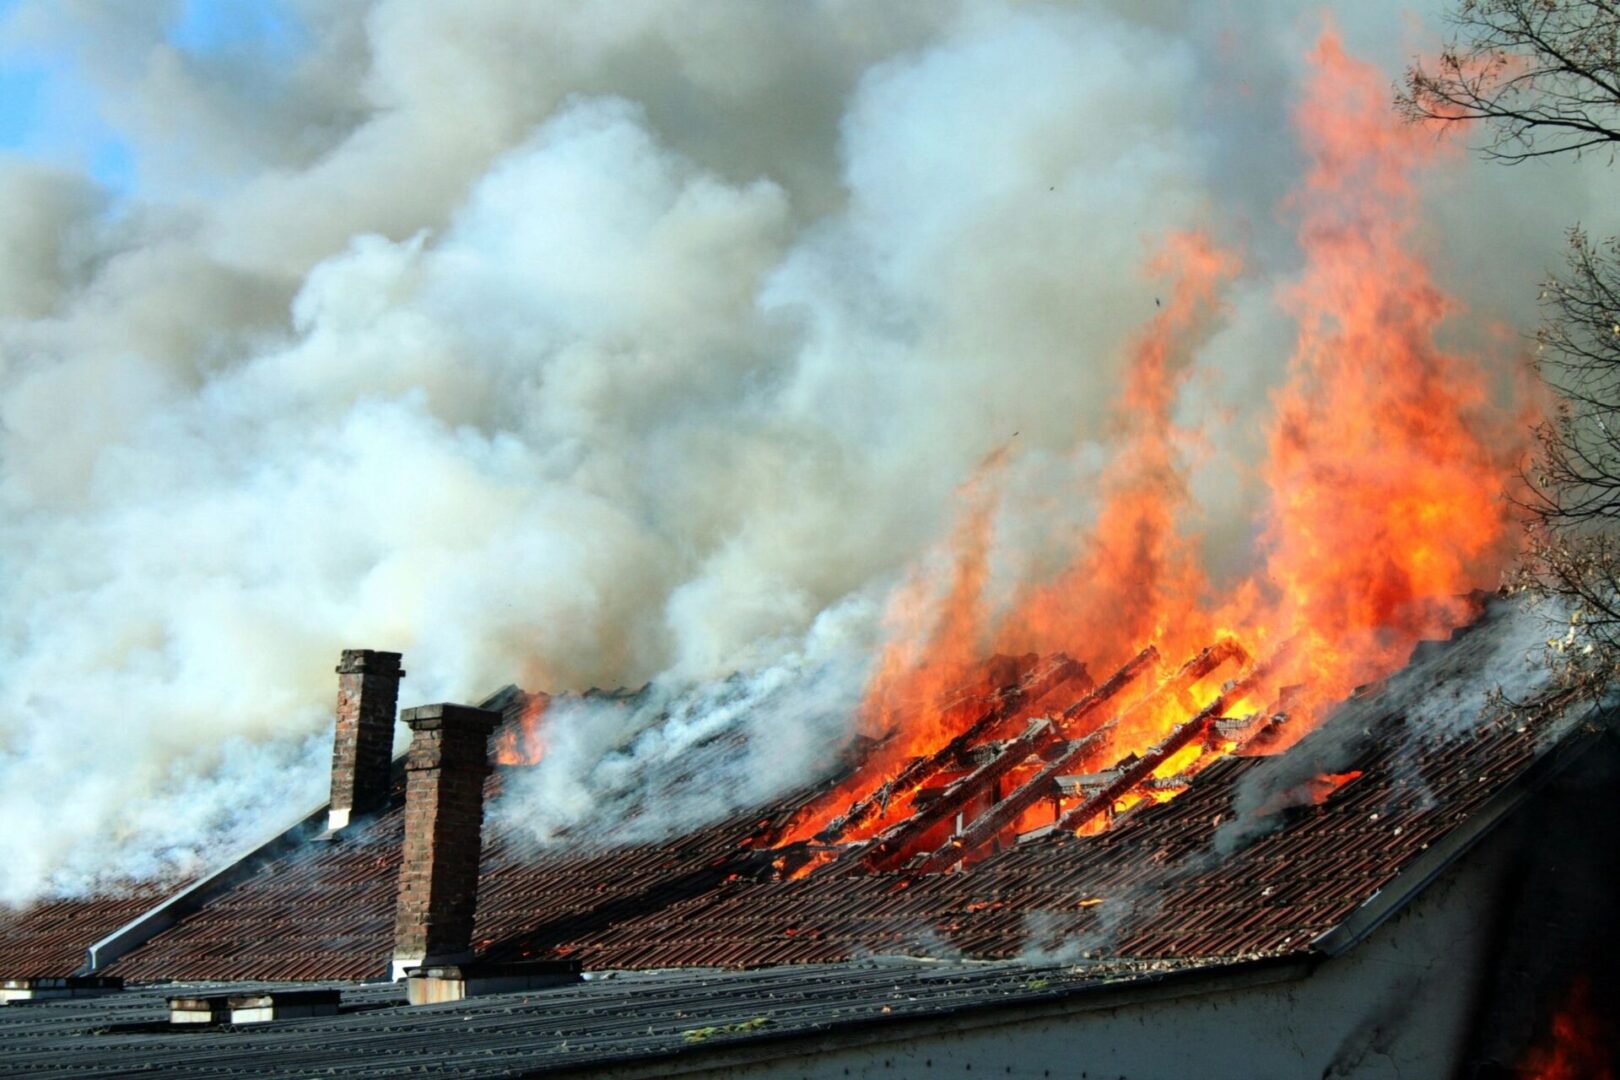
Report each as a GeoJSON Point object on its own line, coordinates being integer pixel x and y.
{"type": "Point", "coordinates": [363, 745]}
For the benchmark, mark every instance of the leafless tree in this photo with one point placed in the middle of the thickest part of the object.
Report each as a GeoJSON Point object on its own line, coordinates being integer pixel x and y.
{"type": "Point", "coordinates": [1543, 77]}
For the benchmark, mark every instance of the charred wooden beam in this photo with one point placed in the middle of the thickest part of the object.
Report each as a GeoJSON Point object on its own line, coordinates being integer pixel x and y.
{"type": "Point", "coordinates": [1234, 731]}
{"type": "Point", "coordinates": [1079, 785]}
{"type": "Point", "coordinates": [1046, 678]}
{"type": "Point", "coordinates": [1212, 657]}
{"type": "Point", "coordinates": [890, 848]}
{"type": "Point", "coordinates": [1000, 816]}
{"type": "Point", "coordinates": [1072, 719]}
{"type": "Point", "coordinates": [1265, 738]}
{"type": "Point", "coordinates": [889, 852]}
{"type": "Point", "coordinates": [1139, 771]}
{"type": "Point", "coordinates": [1176, 690]}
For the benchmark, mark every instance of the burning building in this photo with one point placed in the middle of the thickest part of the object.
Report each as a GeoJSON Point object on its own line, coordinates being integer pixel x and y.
{"type": "Point", "coordinates": [1325, 811]}
{"type": "Point", "coordinates": [1398, 888]}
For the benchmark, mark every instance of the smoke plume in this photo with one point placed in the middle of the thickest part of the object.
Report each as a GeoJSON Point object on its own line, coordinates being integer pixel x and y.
{"type": "Point", "coordinates": [582, 344]}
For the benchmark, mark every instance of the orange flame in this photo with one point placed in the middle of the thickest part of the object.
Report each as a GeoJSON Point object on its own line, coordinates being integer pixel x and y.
{"type": "Point", "coordinates": [1387, 462]}
{"type": "Point", "coordinates": [1387, 465]}
{"type": "Point", "coordinates": [1136, 572]}
{"type": "Point", "coordinates": [523, 743]}
{"type": "Point", "coordinates": [936, 651]}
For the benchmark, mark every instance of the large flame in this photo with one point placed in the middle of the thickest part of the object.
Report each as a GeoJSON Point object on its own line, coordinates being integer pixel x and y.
{"type": "Point", "coordinates": [1387, 464]}
{"type": "Point", "coordinates": [1136, 570]}
{"type": "Point", "coordinates": [524, 742]}
{"type": "Point", "coordinates": [934, 652]}
{"type": "Point", "coordinates": [1387, 461]}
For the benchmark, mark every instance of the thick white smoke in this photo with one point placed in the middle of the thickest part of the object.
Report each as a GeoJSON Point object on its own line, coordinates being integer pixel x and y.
{"type": "Point", "coordinates": [647, 765]}
{"type": "Point", "coordinates": [579, 343]}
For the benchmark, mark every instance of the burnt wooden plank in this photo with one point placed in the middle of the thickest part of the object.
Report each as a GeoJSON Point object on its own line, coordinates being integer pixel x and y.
{"type": "Point", "coordinates": [1047, 677]}
{"type": "Point", "coordinates": [890, 847]}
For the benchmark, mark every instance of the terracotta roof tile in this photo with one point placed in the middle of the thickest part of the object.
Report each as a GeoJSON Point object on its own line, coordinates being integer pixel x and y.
{"type": "Point", "coordinates": [49, 938]}
{"type": "Point", "coordinates": [1165, 882]}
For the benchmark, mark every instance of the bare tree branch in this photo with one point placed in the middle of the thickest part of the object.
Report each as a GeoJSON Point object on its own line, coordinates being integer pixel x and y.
{"type": "Point", "coordinates": [1541, 73]}
{"type": "Point", "coordinates": [1544, 77]}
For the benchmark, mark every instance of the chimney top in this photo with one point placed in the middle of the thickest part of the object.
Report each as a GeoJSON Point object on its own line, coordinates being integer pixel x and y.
{"type": "Point", "coordinates": [370, 662]}
{"type": "Point", "coordinates": [363, 735]}
{"type": "Point", "coordinates": [433, 717]}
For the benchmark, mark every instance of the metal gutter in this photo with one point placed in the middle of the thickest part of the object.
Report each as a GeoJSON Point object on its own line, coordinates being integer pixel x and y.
{"type": "Point", "coordinates": [876, 1030]}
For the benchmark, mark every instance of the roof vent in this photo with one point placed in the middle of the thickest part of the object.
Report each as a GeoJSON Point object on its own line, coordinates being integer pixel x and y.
{"type": "Point", "coordinates": [432, 984]}
{"type": "Point", "coordinates": [213, 1009]}
{"type": "Point", "coordinates": [44, 988]}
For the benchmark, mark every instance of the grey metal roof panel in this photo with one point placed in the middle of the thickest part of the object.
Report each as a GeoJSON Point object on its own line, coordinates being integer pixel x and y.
{"type": "Point", "coordinates": [642, 1016]}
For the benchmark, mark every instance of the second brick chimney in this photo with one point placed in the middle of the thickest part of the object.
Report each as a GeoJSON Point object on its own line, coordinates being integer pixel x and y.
{"type": "Point", "coordinates": [363, 747]}
{"type": "Point", "coordinates": [444, 819]}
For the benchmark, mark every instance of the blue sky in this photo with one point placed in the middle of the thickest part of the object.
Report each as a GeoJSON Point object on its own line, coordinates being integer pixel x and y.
{"type": "Point", "coordinates": [36, 87]}
{"type": "Point", "coordinates": [21, 82]}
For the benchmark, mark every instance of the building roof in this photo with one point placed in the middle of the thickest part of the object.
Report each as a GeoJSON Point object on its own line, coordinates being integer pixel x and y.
{"type": "Point", "coordinates": [49, 938]}
{"type": "Point", "coordinates": [651, 1019]}
{"type": "Point", "coordinates": [1257, 857]}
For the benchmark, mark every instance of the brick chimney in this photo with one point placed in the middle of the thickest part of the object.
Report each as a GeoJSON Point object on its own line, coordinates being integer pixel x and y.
{"type": "Point", "coordinates": [444, 819]}
{"type": "Point", "coordinates": [362, 750]}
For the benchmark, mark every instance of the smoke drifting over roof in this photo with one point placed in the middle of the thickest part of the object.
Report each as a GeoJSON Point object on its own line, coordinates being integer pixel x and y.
{"type": "Point", "coordinates": [590, 343]}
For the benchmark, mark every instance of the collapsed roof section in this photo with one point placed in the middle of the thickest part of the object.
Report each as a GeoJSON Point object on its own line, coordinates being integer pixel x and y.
{"type": "Point", "coordinates": [949, 808]}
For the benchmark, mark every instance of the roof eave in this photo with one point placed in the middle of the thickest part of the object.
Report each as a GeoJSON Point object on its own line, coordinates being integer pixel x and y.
{"type": "Point", "coordinates": [877, 1030]}
{"type": "Point", "coordinates": [1417, 875]}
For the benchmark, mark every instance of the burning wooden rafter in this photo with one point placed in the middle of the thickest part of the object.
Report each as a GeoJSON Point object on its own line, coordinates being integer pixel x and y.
{"type": "Point", "coordinates": [883, 850]}
{"type": "Point", "coordinates": [1041, 738]}
{"type": "Point", "coordinates": [1056, 745]}
{"type": "Point", "coordinates": [1228, 733]}
{"type": "Point", "coordinates": [991, 823]}
{"type": "Point", "coordinates": [1082, 784]}
{"type": "Point", "coordinates": [1142, 768]}
{"type": "Point", "coordinates": [1005, 813]}
{"type": "Point", "coordinates": [1051, 675]}
{"type": "Point", "coordinates": [1260, 733]}
{"type": "Point", "coordinates": [1264, 736]}
{"type": "Point", "coordinates": [1070, 720]}
{"type": "Point", "coordinates": [1179, 685]}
